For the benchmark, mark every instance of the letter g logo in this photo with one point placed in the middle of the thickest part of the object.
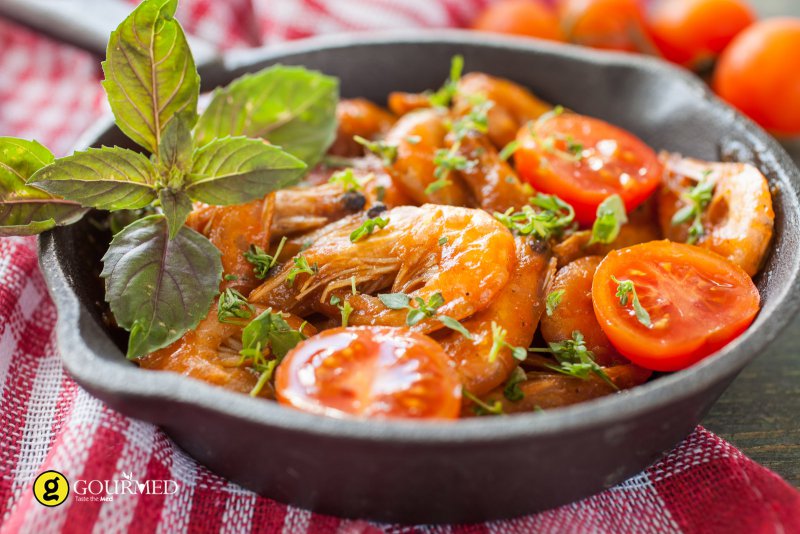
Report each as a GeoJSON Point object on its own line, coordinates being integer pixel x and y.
{"type": "Point", "coordinates": [51, 488]}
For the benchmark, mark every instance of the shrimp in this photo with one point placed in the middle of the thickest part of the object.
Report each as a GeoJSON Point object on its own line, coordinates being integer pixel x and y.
{"type": "Point", "coordinates": [516, 308]}
{"type": "Point", "coordinates": [575, 311]}
{"type": "Point", "coordinates": [463, 254]}
{"type": "Point", "coordinates": [361, 117]}
{"type": "Point", "coordinates": [738, 222]}
{"type": "Point", "coordinates": [493, 182]}
{"type": "Point", "coordinates": [401, 103]}
{"type": "Point", "coordinates": [232, 229]}
{"type": "Point", "coordinates": [543, 391]}
{"type": "Point", "coordinates": [513, 105]}
{"type": "Point", "coordinates": [210, 353]}
{"type": "Point", "coordinates": [642, 226]}
{"type": "Point", "coordinates": [418, 136]}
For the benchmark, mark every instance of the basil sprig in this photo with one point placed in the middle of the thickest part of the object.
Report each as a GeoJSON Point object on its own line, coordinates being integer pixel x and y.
{"type": "Point", "coordinates": [161, 276]}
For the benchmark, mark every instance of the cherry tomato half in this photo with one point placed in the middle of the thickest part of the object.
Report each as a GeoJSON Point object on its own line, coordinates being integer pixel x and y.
{"type": "Point", "coordinates": [530, 18]}
{"type": "Point", "coordinates": [759, 73]}
{"type": "Point", "coordinates": [697, 302]}
{"type": "Point", "coordinates": [584, 160]}
{"type": "Point", "coordinates": [370, 371]}
{"type": "Point", "coordinates": [693, 32]}
{"type": "Point", "coordinates": [606, 24]}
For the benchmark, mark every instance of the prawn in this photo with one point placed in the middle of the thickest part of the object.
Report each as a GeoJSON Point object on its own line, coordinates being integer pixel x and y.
{"type": "Point", "coordinates": [513, 105]}
{"type": "Point", "coordinates": [359, 116]}
{"type": "Point", "coordinates": [516, 309]}
{"type": "Point", "coordinates": [464, 255]}
{"type": "Point", "coordinates": [418, 136]}
{"type": "Point", "coordinates": [210, 353]}
{"type": "Point", "coordinates": [738, 220]}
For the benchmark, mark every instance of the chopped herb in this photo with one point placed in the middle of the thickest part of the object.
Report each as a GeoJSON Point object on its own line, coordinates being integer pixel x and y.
{"type": "Point", "coordinates": [482, 408]}
{"type": "Point", "coordinates": [231, 277]}
{"type": "Point", "coordinates": [367, 227]}
{"type": "Point", "coordinates": [554, 217]}
{"type": "Point", "coordinates": [444, 96]}
{"type": "Point", "coordinates": [698, 198]}
{"type": "Point", "coordinates": [380, 193]}
{"type": "Point", "coordinates": [344, 307]}
{"type": "Point", "coordinates": [499, 341]}
{"type": "Point", "coordinates": [511, 390]}
{"type": "Point", "coordinates": [386, 151]}
{"type": "Point", "coordinates": [263, 262]}
{"type": "Point", "coordinates": [413, 139]}
{"type": "Point", "coordinates": [401, 301]}
{"type": "Point", "coordinates": [610, 218]}
{"type": "Point", "coordinates": [553, 300]}
{"type": "Point", "coordinates": [574, 359]}
{"type": "Point", "coordinates": [300, 266]}
{"type": "Point", "coordinates": [233, 305]}
{"type": "Point", "coordinates": [626, 289]}
{"type": "Point", "coordinates": [353, 284]}
{"type": "Point", "coordinates": [394, 301]}
{"type": "Point", "coordinates": [453, 324]}
{"type": "Point", "coordinates": [442, 241]}
{"type": "Point", "coordinates": [347, 179]}
{"type": "Point", "coordinates": [573, 147]}
{"type": "Point", "coordinates": [509, 150]}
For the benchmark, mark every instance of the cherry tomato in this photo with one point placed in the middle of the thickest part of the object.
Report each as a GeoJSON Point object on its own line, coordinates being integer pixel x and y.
{"type": "Point", "coordinates": [531, 18]}
{"type": "Point", "coordinates": [370, 371]}
{"type": "Point", "coordinates": [697, 302]}
{"type": "Point", "coordinates": [693, 32]}
{"type": "Point", "coordinates": [606, 24]}
{"type": "Point", "coordinates": [759, 73]}
{"type": "Point", "coordinates": [584, 160]}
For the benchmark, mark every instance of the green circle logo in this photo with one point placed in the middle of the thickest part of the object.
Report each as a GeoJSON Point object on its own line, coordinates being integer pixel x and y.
{"type": "Point", "coordinates": [51, 488]}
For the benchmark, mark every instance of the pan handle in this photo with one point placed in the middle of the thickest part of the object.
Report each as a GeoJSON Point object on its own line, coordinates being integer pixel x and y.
{"type": "Point", "coordinates": [87, 24]}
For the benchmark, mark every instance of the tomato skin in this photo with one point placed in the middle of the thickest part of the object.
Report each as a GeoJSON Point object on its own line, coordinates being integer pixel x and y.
{"type": "Point", "coordinates": [759, 73]}
{"type": "Point", "coordinates": [370, 371]}
{"type": "Point", "coordinates": [530, 18]}
{"type": "Point", "coordinates": [606, 24]}
{"type": "Point", "coordinates": [613, 161]}
{"type": "Point", "coordinates": [698, 302]}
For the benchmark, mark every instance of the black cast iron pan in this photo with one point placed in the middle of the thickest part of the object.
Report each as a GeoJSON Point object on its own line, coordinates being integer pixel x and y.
{"type": "Point", "coordinates": [468, 470]}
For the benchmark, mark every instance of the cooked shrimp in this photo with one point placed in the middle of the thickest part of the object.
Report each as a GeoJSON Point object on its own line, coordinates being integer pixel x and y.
{"type": "Point", "coordinates": [739, 219]}
{"type": "Point", "coordinates": [642, 226]}
{"type": "Point", "coordinates": [418, 136]}
{"type": "Point", "coordinates": [464, 254]}
{"type": "Point", "coordinates": [232, 229]}
{"type": "Point", "coordinates": [401, 103]}
{"type": "Point", "coordinates": [513, 105]}
{"type": "Point", "coordinates": [358, 116]}
{"type": "Point", "coordinates": [575, 311]}
{"type": "Point", "coordinates": [209, 353]}
{"type": "Point", "coordinates": [543, 391]}
{"type": "Point", "coordinates": [516, 309]}
{"type": "Point", "coordinates": [493, 182]}
{"type": "Point", "coordinates": [302, 209]}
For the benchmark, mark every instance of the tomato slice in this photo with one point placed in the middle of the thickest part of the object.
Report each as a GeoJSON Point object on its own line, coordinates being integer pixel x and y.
{"type": "Point", "coordinates": [370, 371]}
{"type": "Point", "coordinates": [585, 160]}
{"type": "Point", "coordinates": [697, 301]}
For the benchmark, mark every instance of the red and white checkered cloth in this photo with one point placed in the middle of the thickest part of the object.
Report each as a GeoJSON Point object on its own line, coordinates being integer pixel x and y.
{"type": "Point", "coordinates": [51, 92]}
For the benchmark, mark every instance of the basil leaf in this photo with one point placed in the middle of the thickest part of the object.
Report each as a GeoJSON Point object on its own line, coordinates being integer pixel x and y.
{"type": "Point", "coordinates": [26, 210]}
{"type": "Point", "coordinates": [175, 150]}
{"type": "Point", "coordinates": [611, 216]}
{"type": "Point", "coordinates": [453, 324]}
{"type": "Point", "coordinates": [270, 329]}
{"type": "Point", "coordinates": [159, 287]}
{"type": "Point", "coordinates": [290, 106]}
{"type": "Point", "coordinates": [394, 301]}
{"type": "Point", "coordinates": [176, 206]}
{"type": "Point", "coordinates": [104, 178]}
{"type": "Point", "coordinates": [150, 75]}
{"type": "Point", "coordinates": [235, 170]}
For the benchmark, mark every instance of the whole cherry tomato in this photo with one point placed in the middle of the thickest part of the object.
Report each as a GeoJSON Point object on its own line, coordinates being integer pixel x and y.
{"type": "Point", "coordinates": [606, 24]}
{"type": "Point", "coordinates": [759, 73]}
{"type": "Point", "coordinates": [531, 18]}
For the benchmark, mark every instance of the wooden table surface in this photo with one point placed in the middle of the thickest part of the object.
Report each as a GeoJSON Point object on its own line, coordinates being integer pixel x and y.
{"type": "Point", "coordinates": [760, 412]}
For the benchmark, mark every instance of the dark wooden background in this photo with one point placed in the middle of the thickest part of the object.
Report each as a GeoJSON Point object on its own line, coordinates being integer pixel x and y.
{"type": "Point", "coordinates": [760, 412]}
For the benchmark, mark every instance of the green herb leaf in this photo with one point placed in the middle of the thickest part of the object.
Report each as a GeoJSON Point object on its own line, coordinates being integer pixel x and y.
{"type": "Point", "coordinates": [444, 96]}
{"type": "Point", "coordinates": [150, 75]}
{"type": "Point", "coordinates": [442, 241]}
{"type": "Point", "coordinates": [26, 210]}
{"type": "Point", "coordinates": [553, 300]}
{"type": "Point", "coordinates": [394, 301]}
{"type": "Point", "coordinates": [347, 179]}
{"type": "Point", "coordinates": [575, 359]}
{"type": "Point", "coordinates": [511, 390]}
{"type": "Point", "coordinates": [263, 262]}
{"type": "Point", "coordinates": [175, 150]}
{"type": "Point", "coordinates": [290, 106]}
{"type": "Point", "coordinates": [270, 330]}
{"type": "Point", "coordinates": [453, 324]}
{"type": "Point", "coordinates": [367, 227]}
{"type": "Point", "coordinates": [164, 286]}
{"type": "Point", "coordinates": [482, 408]}
{"type": "Point", "coordinates": [611, 216]}
{"type": "Point", "coordinates": [697, 198]}
{"type": "Point", "coordinates": [386, 151]}
{"type": "Point", "coordinates": [233, 307]}
{"type": "Point", "coordinates": [625, 289]}
{"type": "Point", "coordinates": [104, 178]}
{"type": "Point", "coordinates": [300, 266]}
{"type": "Point", "coordinates": [235, 170]}
{"type": "Point", "coordinates": [553, 217]}
{"type": "Point", "coordinates": [509, 150]}
{"type": "Point", "coordinates": [176, 206]}
{"type": "Point", "coordinates": [344, 307]}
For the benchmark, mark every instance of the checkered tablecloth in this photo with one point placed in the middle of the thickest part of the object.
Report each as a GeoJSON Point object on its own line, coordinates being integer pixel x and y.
{"type": "Point", "coordinates": [51, 92]}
